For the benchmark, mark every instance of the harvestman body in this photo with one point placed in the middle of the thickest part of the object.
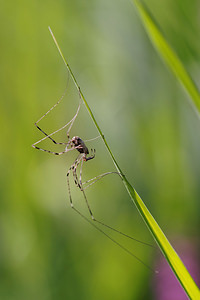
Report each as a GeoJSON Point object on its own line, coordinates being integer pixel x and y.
{"type": "Point", "coordinates": [81, 147]}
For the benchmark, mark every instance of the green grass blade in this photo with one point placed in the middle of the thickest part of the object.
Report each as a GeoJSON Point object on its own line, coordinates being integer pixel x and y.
{"type": "Point", "coordinates": [171, 256]}
{"type": "Point", "coordinates": [168, 55]}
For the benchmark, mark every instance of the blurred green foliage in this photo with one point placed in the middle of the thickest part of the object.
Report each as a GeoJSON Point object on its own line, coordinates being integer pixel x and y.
{"type": "Point", "coordinates": [46, 250]}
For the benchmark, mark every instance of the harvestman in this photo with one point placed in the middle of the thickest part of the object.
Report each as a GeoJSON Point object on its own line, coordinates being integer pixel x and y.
{"type": "Point", "coordinates": [76, 143]}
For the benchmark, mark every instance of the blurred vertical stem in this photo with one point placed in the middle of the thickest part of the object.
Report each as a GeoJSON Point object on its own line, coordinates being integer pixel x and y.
{"type": "Point", "coordinates": [171, 256]}
{"type": "Point", "coordinates": [168, 55]}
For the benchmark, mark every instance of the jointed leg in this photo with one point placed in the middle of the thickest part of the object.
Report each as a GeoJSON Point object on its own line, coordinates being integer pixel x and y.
{"type": "Point", "coordinates": [92, 155]}
{"type": "Point", "coordinates": [74, 167]}
{"type": "Point", "coordinates": [74, 118]}
{"type": "Point", "coordinates": [52, 107]}
{"type": "Point", "coordinates": [55, 153]}
{"type": "Point", "coordinates": [113, 240]}
{"type": "Point", "coordinates": [95, 179]}
{"type": "Point", "coordinates": [100, 230]}
{"type": "Point", "coordinates": [49, 135]}
{"type": "Point", "coordinates": [109, 227]}
{"type": "Point", "coordinates": [90, 211]}
{"type": "Point", "coordinates": [68, 173]}
{"type": "Point", "coordinates": [80, 175]}
{"type": "Point", "coordinates": [77, 182]}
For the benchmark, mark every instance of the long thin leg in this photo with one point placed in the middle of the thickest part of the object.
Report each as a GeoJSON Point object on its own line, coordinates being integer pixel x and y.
{"type": "Point", "coordinates": [80, 99]}
{"type": "Point", "coordinates": [97, 137]}
{"type": "Point", "coordinates": [80, 177]}
{"type": "Point", "coordinates": [56, 153]}
{"type": "Point", "coordinates": [107, 226]}
{"type": "Point", "coordinates": [79, 184]}
{"type": "Point", "coordinates": [113, 240]}
{"type": "Point", "coordinates": [52, 107]}
{"type": "Point", "coordinates": [68, 173]}
{"type": "Point", "coordinates": [92, 155]}
{"type": "Point", "coordinates": [49, 135]}
{"type": "Point", "coordinates": [99, 229]}
{"type": "Point", "coordinates": [74, 167]}
{"type": "Point", "coordinates": [96, 178]}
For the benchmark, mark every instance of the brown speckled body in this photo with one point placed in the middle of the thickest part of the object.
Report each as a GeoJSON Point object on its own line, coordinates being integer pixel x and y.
{"type": "Point", "coordinates": [79, 145]}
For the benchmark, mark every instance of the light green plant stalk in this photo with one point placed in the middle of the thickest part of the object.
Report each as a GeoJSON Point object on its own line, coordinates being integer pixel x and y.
{"type": "Point", "coordinates": [170, 254]}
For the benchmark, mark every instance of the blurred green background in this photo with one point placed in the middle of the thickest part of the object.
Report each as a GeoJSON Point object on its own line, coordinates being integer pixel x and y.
{"type": "Point", "coordinates": [46, 250]}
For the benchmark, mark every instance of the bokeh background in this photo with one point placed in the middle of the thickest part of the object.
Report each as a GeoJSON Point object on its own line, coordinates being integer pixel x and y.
{"type": "Point", "coordinates": [46, 250]}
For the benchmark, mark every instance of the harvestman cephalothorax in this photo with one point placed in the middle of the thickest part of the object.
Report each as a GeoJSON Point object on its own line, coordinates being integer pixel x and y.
{"type": "Point", "coordinates": [76, 143]}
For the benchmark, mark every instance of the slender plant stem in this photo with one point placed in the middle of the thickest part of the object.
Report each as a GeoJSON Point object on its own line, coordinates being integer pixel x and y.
{"type": "Point", "coordinates": [171, 256]}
